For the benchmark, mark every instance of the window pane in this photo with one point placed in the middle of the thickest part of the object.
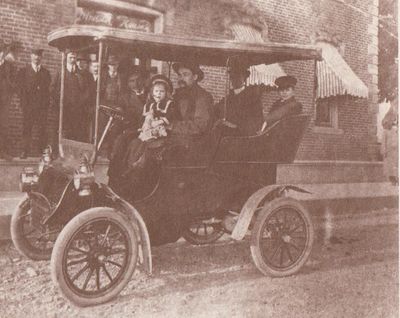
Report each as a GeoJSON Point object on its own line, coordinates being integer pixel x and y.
{"type": "Point", "coordinates": [323, 113]}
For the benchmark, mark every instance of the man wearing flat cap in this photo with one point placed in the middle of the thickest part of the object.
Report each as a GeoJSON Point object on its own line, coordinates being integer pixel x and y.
{"type": "Point", "coordinates": [34, 91]}
{"type": "Point", "coordinates": [244, 113]}
{"type": "Point", "coordinates": [193, 102]}
{"type": "Point", "coordinates": [287, 105]}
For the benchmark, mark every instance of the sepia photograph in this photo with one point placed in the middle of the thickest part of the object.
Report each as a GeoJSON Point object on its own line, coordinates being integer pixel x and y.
{"type": "Point", "coordinates": [199, 158]}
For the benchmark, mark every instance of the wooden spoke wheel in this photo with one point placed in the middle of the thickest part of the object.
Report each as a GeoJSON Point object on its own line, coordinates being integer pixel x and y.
{"type": "Point", "coordinates": [94, 256]}
{"type": "Point", "coordinates": [282, 237]}
{"type": "Point", "coordinates": [29, 240]}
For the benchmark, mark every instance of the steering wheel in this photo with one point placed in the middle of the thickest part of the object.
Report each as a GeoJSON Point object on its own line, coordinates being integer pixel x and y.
{"type": "Point", "coordinates": [116, 113]}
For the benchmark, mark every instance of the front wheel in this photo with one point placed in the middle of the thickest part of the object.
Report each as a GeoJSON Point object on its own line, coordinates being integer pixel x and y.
{"type": "Point", "coordinates": [282, 237]}
{"type": "Point", "coordinates": [29, 240]}
{"type": "Point", "coordinates": [94, 256]}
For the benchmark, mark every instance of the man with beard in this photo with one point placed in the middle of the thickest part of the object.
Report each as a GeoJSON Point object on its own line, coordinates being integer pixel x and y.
{"type": "Point", "coordinates": [194, 104]}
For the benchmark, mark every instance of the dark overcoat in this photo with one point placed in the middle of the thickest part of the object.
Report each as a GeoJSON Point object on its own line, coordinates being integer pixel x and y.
{"type": "Point", "coordinates": [34, 90]}
{"type": "Point", "coordinates": [281, 109]}
{"type": "Point", "coordinates": [75, 113]}
{"type": "Point", "coordinates": [244, 110]}
{"type": "Point", "coordinates": [195, 106]}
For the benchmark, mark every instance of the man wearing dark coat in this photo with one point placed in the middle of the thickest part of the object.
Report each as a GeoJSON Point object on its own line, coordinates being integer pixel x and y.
{"type": "Point", "coordinates": [112, 89]}
{"type": "Point", "coordinates": [74, 120]}
{"type": "Point", "coordinates": [131, 103]}
{"type": "Point", "coordinates": [7, 86]}
{"type": "Point", "coordinates": [244, 113]}
{"type": "Point", "coordinates": [287, 105]}
{"type": "Point", "coordinates": [34, 83]}
{"type": "Point", "coordinates": [194, 104]}
{"type": "Point", "coordinates": [89, 79]}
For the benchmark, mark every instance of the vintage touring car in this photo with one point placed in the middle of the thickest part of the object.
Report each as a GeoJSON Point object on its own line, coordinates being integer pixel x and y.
{"type": "Point", "coordinates": [98, 234]}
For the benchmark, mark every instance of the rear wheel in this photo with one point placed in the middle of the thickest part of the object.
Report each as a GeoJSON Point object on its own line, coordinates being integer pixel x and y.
{"type": "Point", "coordinates": [94, 256]}
{"type": "Point", "coordinates": [202, 232]}
{"type": "Point", "coordinates": [29, 240]}
{"type": "Point", "coordinates": [282, 237]}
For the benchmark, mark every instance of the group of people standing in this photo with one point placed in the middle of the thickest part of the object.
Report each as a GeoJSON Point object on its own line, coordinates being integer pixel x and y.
{"type": "Point", "coordinates": [151, 106]}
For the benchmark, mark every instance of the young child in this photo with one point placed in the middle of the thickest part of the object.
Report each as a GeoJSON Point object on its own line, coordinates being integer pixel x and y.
{"type": "Point", "coordinates": [158, 110]}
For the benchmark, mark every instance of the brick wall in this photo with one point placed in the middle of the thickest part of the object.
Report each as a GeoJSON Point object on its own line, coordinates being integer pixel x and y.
{"type": "Point", "coordinates": [287, 20]}
{"type": "Point", "coordinates": [297, 22]}
{"type": "Point", "coordinates": [27, 22]}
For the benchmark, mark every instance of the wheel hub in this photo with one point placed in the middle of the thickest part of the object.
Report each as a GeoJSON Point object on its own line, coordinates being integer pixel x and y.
{"type": "Point", "coordinates": [286, 238]}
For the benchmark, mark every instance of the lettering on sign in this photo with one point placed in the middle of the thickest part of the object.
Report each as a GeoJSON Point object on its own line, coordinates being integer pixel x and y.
{"type": "Point", "coordinates": [97, 17]}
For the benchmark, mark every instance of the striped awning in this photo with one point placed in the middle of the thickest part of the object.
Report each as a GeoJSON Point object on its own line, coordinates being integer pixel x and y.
{"type": "Point", "coordinates": [259, 74]}
{"type": "Point", "coordinates": [335, 76]}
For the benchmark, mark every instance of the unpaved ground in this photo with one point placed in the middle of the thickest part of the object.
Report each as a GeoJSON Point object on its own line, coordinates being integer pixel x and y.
{"type": "Point", "coordinates": [351, 273]}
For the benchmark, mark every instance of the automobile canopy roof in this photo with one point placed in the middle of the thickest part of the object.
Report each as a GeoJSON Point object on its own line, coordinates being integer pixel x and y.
{"type": "Point", "coordinates": [166, 47]}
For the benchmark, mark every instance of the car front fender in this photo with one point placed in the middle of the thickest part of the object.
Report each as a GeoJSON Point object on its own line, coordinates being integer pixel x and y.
{"type": "Point", "coordinates": [137, 220]}
{"type": "Point", "coordinates": [256, 202]}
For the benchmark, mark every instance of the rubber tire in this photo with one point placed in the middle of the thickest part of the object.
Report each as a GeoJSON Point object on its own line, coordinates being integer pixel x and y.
{"type": "Point", "coordinates": [269, 208]}
{"type": "Point", "coordinates": [20, 242]}
{"type": "Point", "coordinates": [63, 239]}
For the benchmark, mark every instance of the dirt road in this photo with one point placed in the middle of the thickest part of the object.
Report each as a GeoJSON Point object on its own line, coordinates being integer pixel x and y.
{"type": "Point", "coordinates": [353, 273]}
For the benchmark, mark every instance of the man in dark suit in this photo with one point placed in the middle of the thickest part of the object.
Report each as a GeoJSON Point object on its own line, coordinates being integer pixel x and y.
{"type": "Point", "coordinates": [34, 83]}
{"type": "Point", "coordinates": [75, 124]}
{"type": "Point", "coordinates": [287, 105]}
{"type": "Point", "coordinates": [7, 86]}
{"type": "Point", "coordinates": [244, 113]}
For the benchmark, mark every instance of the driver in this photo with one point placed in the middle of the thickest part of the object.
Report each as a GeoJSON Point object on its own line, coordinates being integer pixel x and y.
{"type": "Point", "coordinates": [131, 102]}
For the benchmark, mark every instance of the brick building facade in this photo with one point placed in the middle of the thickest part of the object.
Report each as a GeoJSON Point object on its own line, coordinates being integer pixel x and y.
{"type": "Point", "coordinates": [350, 25]}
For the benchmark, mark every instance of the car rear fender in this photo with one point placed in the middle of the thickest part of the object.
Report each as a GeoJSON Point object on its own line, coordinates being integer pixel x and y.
{"type": "Point", "coordinates": [255, 202]}
{"type": "Point", "coordinates": [134, 216]}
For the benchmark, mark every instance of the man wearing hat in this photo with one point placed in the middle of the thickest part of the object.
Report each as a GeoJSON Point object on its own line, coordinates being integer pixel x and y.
{"type": "Point", "coordinates": [193, 102]}
{"type": "Point", "coordinates": [111, 90]}
{"type": "Point", "coordinates": [7, 86]}
{"type": "Point", "coordinates": [34, 91]}
{"type": "Point", "coordinates": [133, 97]}
{"type": "Point", "coordinates": [74, 120]}
{"type": "Point", "coordinates": [131, 101]}
{"type": "Point", "coordinates": [244, 114]}
{"type": "Point", "coordinates": [287, 105]}
{"type": "Point", "coordinates": [82, 61]}
{"type": "Point", "coordinates": [113, 83]}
